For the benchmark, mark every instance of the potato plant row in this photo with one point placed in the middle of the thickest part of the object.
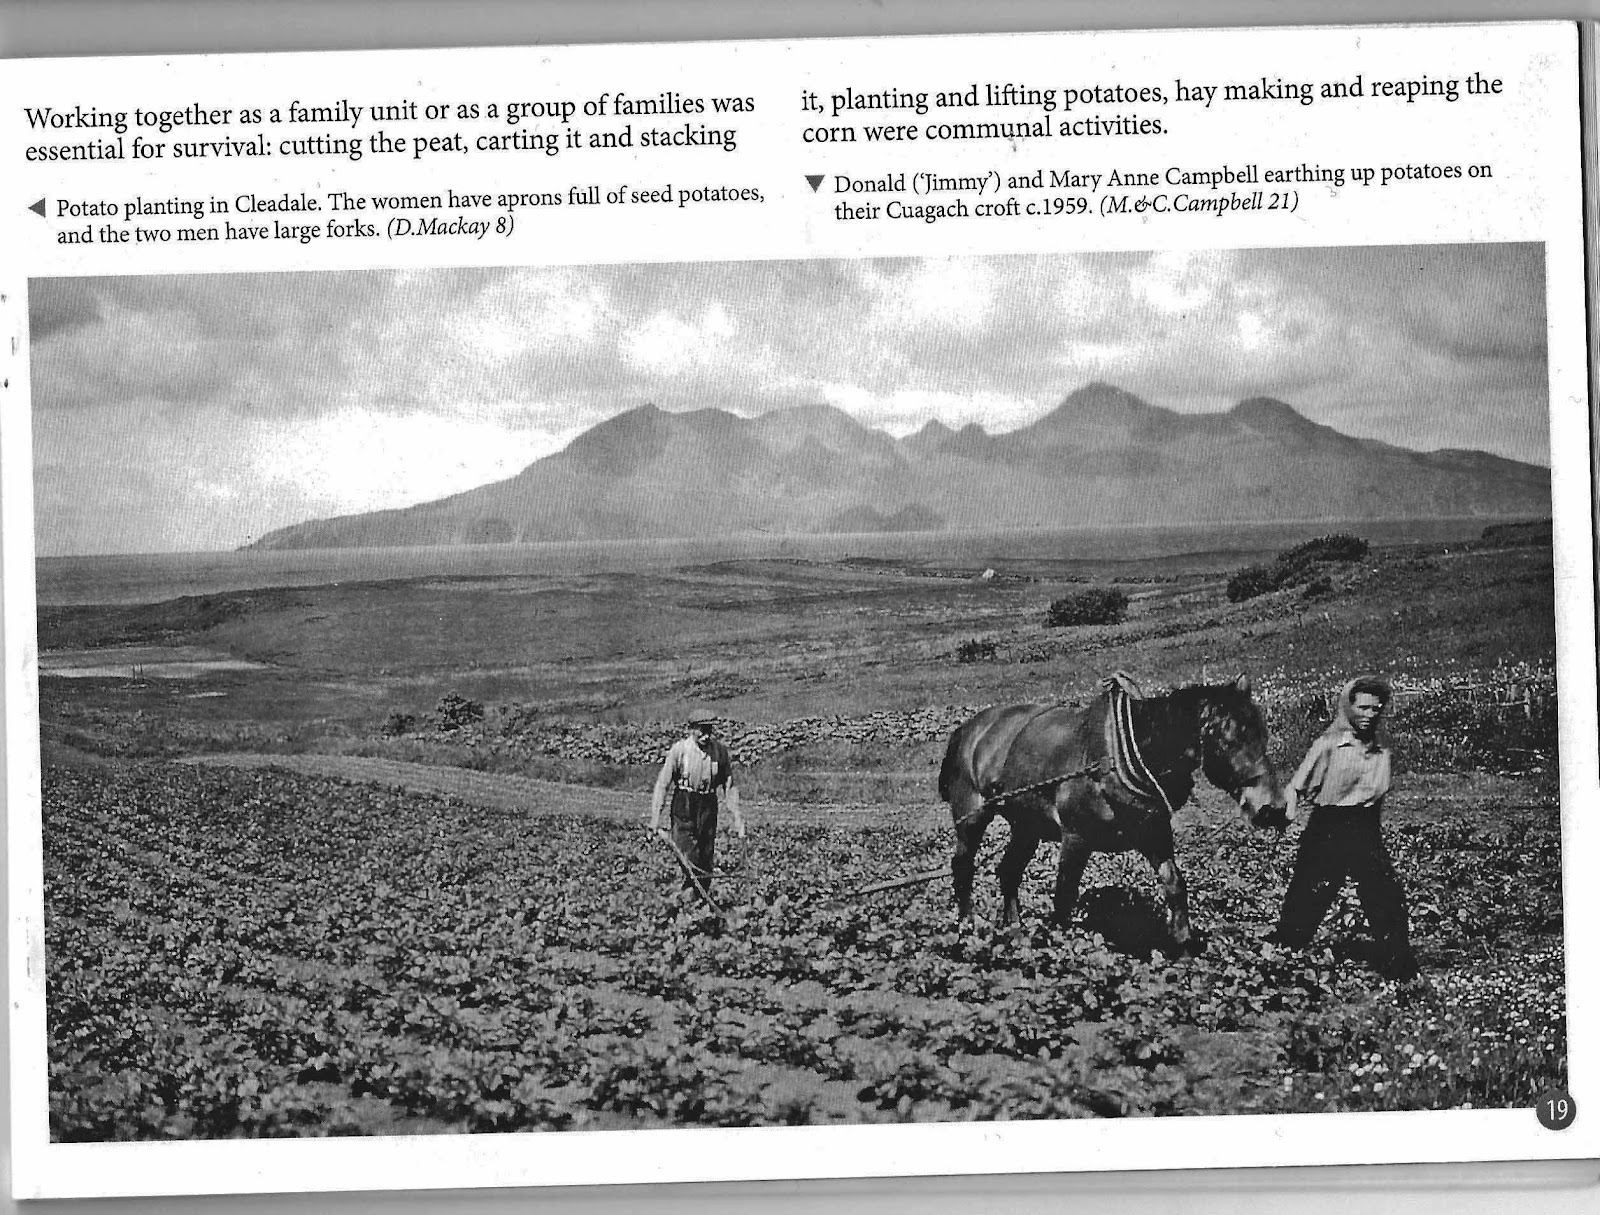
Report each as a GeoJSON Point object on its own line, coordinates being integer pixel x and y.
{"type": "Point", "coordinates": [261, 953]}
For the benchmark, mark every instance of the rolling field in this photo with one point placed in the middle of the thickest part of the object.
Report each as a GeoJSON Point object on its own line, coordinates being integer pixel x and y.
{"type": "Point", "coordinates": [379, 868]}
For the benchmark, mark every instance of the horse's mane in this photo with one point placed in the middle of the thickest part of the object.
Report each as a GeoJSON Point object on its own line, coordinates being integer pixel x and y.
{"type": "Point", "coordinates": [1189, 696]}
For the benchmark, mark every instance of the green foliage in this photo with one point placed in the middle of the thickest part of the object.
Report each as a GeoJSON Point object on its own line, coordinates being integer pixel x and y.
{"type": "Point", "coordinates": [899, 1081]}
{"type": "Point", "coordinates": [976, 649]}
{"type": "Point", "coordinates": [674, 1082]}
{"type": "Point", "coordinates": [1504, 721]}
{"type": "Point", "coordinates": [1251, 581]}
{"type": "Point", "coordinates": [454, 712]}
{"type": "Point", "coordinates": [1092, 605]}
{"type": "Point", "coordinates": [1467, 1042]}
{"type": "Point", "coordinates": [398, 723]}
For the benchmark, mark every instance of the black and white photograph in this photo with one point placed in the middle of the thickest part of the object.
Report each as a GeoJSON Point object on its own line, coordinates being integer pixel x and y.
{"type": "Point", "coordinates": [797, 693]}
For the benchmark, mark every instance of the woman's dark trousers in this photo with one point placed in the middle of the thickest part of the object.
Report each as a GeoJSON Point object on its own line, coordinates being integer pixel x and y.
{"type": "Point", "coordinates": [1347, 842]}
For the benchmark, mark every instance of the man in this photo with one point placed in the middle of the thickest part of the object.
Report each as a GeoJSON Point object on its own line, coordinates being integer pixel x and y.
{"type": "Point", "coordinates": [696, 768]}
{"type": "Point", "coordinates": [1344, 778]}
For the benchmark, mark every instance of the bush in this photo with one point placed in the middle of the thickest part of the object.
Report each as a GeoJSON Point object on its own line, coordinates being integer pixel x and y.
{"type": "Point", "coordinates": [398, 723]}
{"type": "Point", "coordinates": [975, 649]}
{"type": "Point", "coordinates": [1095, 605]}
{"type": "Point", "coordinates": [455, 711]}
{"type": "Point", "coordinates": [1509, 726]}
{"type": "Point", "coordinates": [1340, 546]}
{"type": "Point", "coordinates": [1292, 724]}
{"type": "Point", "coordinates": [1249, 582]}
{"type": "Point", "coordinates": [1297, 566]}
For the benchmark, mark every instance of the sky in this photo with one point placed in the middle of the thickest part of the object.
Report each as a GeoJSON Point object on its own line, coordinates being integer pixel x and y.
{"type": "Point", "coordinates": [186, 413]}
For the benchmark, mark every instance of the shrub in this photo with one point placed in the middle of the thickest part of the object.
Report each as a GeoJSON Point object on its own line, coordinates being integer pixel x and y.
{"type": "Point", "coordinates": [975, 649]}
{"type": "Point", "coordinates": [1292, 724]}
{"type": "Point", "coordinates": [1509, 724]}
{"type": "Point", "coordinates": [398, 723]}
{"type": "Point", "coordinates": [1249, 582]}
{"type": "Point", "coordinates": [1094, 605]}
{"type": "Point", "coordinates": [1340, 546]}
{"type": "Point", "coordinates": [1297, 566]}
{"type": "Point", "coordinates": [900, 1080]}
{"type": "Point", "coordinates": [456, 711]}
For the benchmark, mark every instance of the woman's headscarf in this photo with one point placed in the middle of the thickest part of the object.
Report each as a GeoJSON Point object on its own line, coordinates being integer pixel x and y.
{"type": "Point", "coordinates": [1342, 719]}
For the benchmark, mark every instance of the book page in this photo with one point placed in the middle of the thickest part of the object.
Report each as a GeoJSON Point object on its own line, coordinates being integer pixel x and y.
{"type": "Point", "coordinates": [777, 610]}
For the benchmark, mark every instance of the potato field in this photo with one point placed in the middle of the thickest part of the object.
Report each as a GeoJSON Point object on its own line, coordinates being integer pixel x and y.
{"type": "Point", "coordinates": [320, 897]}
{"type": "Point", "coordinates": [263, 953]}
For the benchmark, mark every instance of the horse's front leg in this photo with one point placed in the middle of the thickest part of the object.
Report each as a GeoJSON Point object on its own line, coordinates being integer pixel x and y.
{"type": "Point", "coordinates": [1171, 879]}
{"type": "Point", "coordinates": [1161, 852]}
{"type": "Point", "coordinates": [971, 822]}
{"type": "Point", "coordinates": [1075, 854]}
{"type": "Point", "coordinates": [1019, 851]}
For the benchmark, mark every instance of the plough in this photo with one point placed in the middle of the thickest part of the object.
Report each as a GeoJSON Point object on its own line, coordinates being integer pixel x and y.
{"type": "Point", "coordinates": [688, 870]}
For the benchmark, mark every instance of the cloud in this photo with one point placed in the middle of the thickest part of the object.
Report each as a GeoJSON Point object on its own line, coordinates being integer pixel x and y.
{"type": "Point", "coordinates": [175, 408]}
{"type": "Point", "coordinates": [358, 459]}
{"type": "Point", "coordinates": [670, 344]}
{"type": "Point", "coordinates": [61, 304]}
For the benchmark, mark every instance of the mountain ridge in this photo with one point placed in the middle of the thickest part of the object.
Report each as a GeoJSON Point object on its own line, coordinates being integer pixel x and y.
{"type": "Point", "coordinates": [1102, 456]}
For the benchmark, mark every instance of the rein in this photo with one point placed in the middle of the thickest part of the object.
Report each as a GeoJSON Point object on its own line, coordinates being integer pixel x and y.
{"type": "Point", "coordinates": [1098, 768]}
{"type": "Point", "coordinates": [1126, 761]}
{"type": "Point", "coordinates": [1132, 768]}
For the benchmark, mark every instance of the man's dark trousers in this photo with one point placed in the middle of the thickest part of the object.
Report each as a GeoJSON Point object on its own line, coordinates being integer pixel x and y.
{"type": "Point", "coordinates": [1342, 842]}
{"type": "Point", "coordinates": [694, 831]}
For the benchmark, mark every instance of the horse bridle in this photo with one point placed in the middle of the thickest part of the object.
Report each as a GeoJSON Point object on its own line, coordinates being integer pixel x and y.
{"type": "Point", "coordinates": [1254, 776]}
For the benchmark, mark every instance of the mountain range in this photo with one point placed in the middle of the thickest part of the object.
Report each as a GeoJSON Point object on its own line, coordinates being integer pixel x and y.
{"type": "Point", "coordinates": [1101, 457]}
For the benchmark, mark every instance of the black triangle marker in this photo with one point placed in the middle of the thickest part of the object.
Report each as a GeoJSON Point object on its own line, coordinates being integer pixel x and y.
{"type": "Point", "coordinates": [38, 207]}
{"type": "Point", "coordinates": [814, 178]}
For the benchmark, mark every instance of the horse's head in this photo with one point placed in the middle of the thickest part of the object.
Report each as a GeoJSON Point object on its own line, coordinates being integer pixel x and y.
{"type": "Point", "coordinates": [1233, 753]}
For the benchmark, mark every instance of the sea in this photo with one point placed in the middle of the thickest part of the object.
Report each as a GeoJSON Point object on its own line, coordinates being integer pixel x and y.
{"type": "Point", "coordinates": [156, 577]}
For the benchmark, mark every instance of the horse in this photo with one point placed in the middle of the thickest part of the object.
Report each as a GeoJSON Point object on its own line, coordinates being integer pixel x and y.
{"type": "Point", "coordinates": [1104, 778]}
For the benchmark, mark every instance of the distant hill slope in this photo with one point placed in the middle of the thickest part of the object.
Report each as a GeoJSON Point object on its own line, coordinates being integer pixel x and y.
{"type": "Point", "coordinates": [1103, 456]}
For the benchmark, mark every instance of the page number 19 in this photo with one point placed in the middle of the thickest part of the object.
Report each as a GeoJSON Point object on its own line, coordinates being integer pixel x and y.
{"type": "Point", "coordinates": [1557, 1110]}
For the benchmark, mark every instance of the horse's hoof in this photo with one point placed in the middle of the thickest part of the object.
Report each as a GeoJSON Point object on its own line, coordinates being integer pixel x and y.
{"type": "Point", "coordinates": [1192, 946]}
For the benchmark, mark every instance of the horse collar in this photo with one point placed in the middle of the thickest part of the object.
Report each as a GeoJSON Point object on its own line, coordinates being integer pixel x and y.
{"type": "Point", "coordinates": [1132, 769]}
